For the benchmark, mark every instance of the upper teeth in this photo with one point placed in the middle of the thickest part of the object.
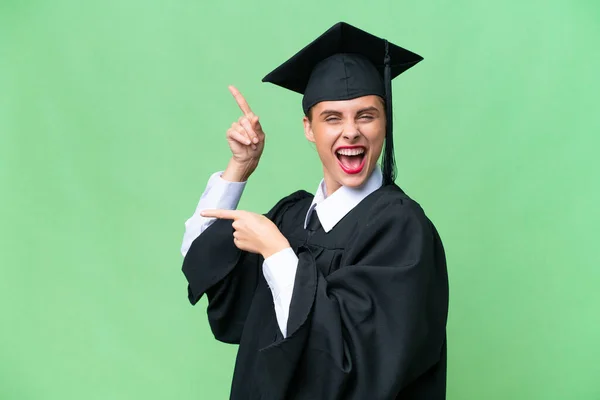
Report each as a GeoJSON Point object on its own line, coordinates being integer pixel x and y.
{"type": "Point", "coordinates": [351, 152]}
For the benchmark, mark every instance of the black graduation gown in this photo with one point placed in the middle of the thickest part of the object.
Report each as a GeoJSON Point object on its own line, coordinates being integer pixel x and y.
{"type": "Point", "coordinates": [368, 313]}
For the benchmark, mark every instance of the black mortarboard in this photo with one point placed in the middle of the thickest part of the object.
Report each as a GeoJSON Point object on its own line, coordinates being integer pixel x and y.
{"type": "Point", "coordinates": [342, 64]}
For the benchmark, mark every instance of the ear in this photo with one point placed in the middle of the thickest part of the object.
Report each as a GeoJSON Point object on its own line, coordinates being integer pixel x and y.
{"type": "Point", "coordinates": [308, 132]}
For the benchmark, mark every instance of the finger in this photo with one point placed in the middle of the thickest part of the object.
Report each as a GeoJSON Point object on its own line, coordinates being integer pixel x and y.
{"type": "Point", "coordinates": [261, 137]}
{"type": "Point", "coordinates": [242, 131]}
{"type": "Point", "coordinates": [240, 244]}
{"type": "Point", "coordinates": [221, 214]}
{"type": "Point", "coordinates": [245, 122]}
{"type": "Point", "coordinates": [238, 136]}
{"type": "Point", "coordinates": [254, 120]}
{"type": "Point", "coordinates": [239, 128]}
{"type": "Point", "coordinates": [240, 100]}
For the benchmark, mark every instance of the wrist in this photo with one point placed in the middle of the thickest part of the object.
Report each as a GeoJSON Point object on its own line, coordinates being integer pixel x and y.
{"type": "Point", "coordinates": [280, 245]}
{"type": "Point", "coordinates": [238, 172]}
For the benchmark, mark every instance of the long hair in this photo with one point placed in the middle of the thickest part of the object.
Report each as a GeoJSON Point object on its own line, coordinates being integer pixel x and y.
{"type": "Point", "coordinates": [389, 163]}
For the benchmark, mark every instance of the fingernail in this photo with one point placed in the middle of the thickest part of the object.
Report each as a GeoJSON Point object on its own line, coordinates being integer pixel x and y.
{"type": "Point", "coordinates": [248, 141]}
{"type": "Point", "coordinates": [255, 140]}
{"type": "Point", "coordinates": [253, 147]}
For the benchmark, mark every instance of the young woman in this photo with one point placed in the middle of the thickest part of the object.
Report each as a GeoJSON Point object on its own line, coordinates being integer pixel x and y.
{"type": "Point", "coordinates": [338, 295]}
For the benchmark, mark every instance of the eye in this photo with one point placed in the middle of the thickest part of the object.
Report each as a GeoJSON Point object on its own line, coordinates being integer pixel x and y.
{"type": "Point", "coordinates": [332, 119]}
{"type": "Point", "coordinates": [366, 117]}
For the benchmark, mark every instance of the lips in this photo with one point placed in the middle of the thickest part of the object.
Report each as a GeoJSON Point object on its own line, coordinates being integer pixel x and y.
{"type": "Point", "coordinates": [351, 158]}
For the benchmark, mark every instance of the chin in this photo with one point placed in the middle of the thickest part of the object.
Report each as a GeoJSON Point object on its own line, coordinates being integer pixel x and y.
{"type": "Point", "coordinates": [339, 176]}
{"type": "Point", "coordinates": [353, 181]}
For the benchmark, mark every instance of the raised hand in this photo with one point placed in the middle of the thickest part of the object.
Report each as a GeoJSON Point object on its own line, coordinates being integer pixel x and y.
{"type": "Point", "coordinates": [246, 140]}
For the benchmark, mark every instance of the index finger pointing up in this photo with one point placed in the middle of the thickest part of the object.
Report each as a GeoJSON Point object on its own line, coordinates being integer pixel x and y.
{"type": "Point", "coordinates": [240, 100]}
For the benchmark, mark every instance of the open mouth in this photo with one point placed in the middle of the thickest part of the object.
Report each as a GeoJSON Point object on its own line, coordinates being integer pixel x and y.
{"type": "Point", "coordinates": [351, 159]}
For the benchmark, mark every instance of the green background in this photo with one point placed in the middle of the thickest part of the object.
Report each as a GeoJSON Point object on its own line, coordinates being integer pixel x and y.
{"type": "Point", "coordinates": [113, 115]}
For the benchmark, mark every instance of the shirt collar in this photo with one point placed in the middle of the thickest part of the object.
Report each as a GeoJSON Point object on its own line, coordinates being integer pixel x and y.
{"type": "Point", "coordinates": [332, 209]}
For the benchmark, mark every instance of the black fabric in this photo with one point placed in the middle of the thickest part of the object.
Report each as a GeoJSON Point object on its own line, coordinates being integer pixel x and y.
{"type": "Point", "coordinates": [342, 77]}
{"type": "Point", "coordinates": [343, 63]}
{"type": "Point", "coordinates": [313, 222]}
{"type": "Point", "coordinates": [368, 313]}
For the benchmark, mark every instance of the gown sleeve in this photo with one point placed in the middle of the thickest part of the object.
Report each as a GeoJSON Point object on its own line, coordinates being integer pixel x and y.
{"type": "Point", "coordinates": [371, 328]}
{"type": "Point", "coordinates": [218, 193]}
{"type": "Point", "coordinates": [228, 276]}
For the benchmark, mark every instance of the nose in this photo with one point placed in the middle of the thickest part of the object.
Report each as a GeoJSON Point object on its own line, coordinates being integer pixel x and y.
{"type": "Point", "coordinates": [351, 132]}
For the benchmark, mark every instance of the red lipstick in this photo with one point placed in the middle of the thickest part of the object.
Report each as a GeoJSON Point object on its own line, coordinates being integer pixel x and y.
{"type": "Point", "coordinates": [351, 168]}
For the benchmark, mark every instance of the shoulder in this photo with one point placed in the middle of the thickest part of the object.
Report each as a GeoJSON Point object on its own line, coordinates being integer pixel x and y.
{"type": "Point", "coordinates": [392, 200]}
{"type": "Point", "coordinates": [391, 208]}
{"type": "Point", "coordinates": [295, 202]}
{"type": "Point", "coordinates": [392, 226]}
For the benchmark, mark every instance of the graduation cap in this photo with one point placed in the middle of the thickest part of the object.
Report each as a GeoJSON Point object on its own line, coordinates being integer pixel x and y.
{"type": "Point", "coordinates": [342, 64]}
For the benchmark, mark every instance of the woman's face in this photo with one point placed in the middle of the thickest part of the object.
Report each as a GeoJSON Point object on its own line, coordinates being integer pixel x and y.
{"type": "Point", "coordinates": [349, 136]}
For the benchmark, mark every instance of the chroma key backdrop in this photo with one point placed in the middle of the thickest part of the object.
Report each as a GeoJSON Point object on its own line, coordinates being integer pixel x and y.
{"type": "Point", "coordinates": [113, 116]}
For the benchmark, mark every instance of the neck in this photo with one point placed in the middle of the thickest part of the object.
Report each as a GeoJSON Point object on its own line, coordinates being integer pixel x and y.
{"type": "Point", "coordinates": [330, 185]}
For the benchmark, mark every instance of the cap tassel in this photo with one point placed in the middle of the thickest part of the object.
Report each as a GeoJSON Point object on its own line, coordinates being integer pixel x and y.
{"type": "Point", "coordinates": [389, 164]}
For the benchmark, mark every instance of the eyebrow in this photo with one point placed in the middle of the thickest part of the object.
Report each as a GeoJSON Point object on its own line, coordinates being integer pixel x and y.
{"type": "Point", "coordinates": [371, 108]}
{"type": "Point", "coordinates": [362, 110]}
{"type": "Point", "coordinates": [324, 112]}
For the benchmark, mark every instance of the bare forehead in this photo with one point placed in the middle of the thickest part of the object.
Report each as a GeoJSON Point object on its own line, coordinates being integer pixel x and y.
{"type": "Point", "coordinates": [352, 105]}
